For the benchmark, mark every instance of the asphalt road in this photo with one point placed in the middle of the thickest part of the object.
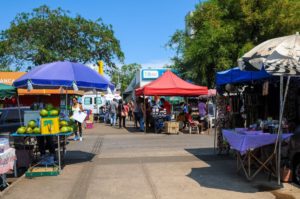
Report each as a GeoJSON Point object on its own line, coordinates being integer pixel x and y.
{"type": "Point", "coordinates": [115, 163]}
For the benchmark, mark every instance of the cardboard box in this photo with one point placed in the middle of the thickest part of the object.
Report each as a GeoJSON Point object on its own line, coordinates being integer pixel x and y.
{"type": "Point", "coordinates": [50, 125]}
{"type": "Point", "coordinates": [171, 127]}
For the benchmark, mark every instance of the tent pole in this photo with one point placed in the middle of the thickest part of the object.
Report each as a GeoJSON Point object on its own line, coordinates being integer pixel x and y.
{"type": "Point", "coordinates": [66, 100]}
{"type": "Point", "coordinates": [19, 108]}
{"type": "Point", "coordinates": [145, 115]}
{"type": "Point", "coordinates": [279, 136]}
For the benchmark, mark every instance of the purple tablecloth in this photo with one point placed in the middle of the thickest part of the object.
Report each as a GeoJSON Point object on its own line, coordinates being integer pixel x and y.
{"type": "Point", "coordinates": [246, 140]}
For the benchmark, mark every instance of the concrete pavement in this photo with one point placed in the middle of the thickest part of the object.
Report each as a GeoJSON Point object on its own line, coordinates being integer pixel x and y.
{"type": "Point", "coordinates": [115, 164]}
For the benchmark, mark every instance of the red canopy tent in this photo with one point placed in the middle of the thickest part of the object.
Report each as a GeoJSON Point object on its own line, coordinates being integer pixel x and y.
{"type": "Point", "coordinates": [171, 85]}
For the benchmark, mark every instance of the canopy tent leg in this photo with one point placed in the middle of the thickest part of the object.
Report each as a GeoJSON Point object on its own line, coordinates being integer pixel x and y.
{"type": "Point", "coordinates": [145, 115]}
{"type": "Point", "coordinates": [215, 130]}
{"type": "Point", "coordinates": [279, 135]}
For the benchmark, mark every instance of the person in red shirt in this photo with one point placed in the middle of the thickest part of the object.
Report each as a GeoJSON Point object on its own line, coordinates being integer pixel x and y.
{"type": "Point", "coordinates": [166, 105]}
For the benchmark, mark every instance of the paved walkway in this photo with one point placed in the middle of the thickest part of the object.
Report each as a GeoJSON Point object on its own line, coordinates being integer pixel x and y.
{"type": "Point", "coordinates": [114, 163]}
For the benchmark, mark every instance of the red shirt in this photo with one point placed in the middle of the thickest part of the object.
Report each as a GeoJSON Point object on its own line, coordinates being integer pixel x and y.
{"type": "Point", "coordinates": [167, 106]}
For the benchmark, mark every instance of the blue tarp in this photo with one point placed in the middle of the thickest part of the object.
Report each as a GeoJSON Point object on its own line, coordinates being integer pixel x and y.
{"type": "Point", "coordinates": [235, 75]}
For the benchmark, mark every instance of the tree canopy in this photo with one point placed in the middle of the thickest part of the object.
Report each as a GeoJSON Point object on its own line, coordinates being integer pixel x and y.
{"type": "Point", "coordinates": [46, 35]}
{"type": "Point", "coordinates": [125, 75]}
{"type": "Point", "coordinates": [218, 32]}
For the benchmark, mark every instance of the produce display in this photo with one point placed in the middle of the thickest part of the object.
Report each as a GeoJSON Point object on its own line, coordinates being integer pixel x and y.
{"type": "Point", "coordinates": [32, 127]}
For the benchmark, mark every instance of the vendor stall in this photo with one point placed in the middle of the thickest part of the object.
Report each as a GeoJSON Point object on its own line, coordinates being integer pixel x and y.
{"type": "Point", "coordinates": [170, 85]}
{"type": "Point", "coordinates": [246, 144]}
{"type": "Point", "coordinates": [57, 75]}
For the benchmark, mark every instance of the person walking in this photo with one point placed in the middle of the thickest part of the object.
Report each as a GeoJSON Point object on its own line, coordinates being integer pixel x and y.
{"type": "Point", "coordinates": [113, 112]}
{"type": "Point", "coordinates": [77, 107]}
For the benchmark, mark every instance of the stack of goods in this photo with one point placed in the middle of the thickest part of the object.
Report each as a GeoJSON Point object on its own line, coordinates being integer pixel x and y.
{"type": "Point", "coordinates": [171, 127]}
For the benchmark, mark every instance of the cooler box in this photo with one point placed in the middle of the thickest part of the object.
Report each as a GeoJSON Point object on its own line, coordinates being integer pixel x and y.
{"type": "Point", "coordinates": [171, 127]}
{"type": "Point", "coordinates": [89, 125]}
{"type": "Point", "coordinates": [50, 125]}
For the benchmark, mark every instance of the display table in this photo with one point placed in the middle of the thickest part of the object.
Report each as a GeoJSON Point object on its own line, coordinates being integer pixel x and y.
{"type": "Point", "coordinates": [58, 141]}
{"type": "Point", "coordinates": [245, 142]}
{"type": "Point", "coordinates": [7, 161]}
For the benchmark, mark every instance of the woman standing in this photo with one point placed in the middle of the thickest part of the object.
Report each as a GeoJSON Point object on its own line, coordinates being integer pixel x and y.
{"type": "Point", "coordinates": [121, 114]}
{"type": "Point", "coordinates": [77, 107]}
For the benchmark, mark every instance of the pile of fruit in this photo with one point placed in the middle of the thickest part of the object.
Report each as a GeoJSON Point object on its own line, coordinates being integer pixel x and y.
{"type": "Point", "coordinates": [65, 126]}
{"type": "Point", "coordinates": [49, 111]}
{"type": "Point", "coordinates": [30, 128]}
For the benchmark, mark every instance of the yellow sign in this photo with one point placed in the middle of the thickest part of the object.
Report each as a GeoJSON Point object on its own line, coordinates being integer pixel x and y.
{"type": "Point", "coordinates": [50, 125]}
{"type": "Point", "coordinates": [100, 69]}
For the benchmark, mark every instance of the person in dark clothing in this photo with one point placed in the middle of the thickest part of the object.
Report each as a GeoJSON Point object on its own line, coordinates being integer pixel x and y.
{"type": "Point", "coordinates": [46, 142]}
{"type": "Point", "coordinates": [121, 114]}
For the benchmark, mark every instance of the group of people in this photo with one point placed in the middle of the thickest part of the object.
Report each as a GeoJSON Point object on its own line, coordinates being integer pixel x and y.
{"type": "Point", "coordinates": [138, 110]}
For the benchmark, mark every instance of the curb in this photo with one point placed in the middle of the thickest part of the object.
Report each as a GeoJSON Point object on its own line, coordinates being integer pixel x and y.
{"type": "Point", "coordinates": [2, 194]}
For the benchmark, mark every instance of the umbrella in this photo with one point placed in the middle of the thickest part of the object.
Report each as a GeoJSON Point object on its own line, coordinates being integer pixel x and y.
{"type": "Point", "coordinates": [7, 91]}
{"type": "Point", "coordinates": [279, 56]}
{"type": "Point", "coordinates": [63, 74]}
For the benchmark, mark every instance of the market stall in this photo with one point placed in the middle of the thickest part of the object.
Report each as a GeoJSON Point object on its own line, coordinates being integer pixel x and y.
{"type": "Point", "coordinates": [170, 84]}
{"type": "Point", "coordinates": [58, 75]}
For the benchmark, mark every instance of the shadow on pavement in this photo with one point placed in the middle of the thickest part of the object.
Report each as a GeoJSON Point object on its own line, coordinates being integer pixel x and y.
{"type": "Point", "coordinates": [74, 157]}
{"type": "Point", "coordinates": [221, 173]}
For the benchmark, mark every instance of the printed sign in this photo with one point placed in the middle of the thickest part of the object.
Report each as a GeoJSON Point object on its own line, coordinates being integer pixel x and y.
{"type": "Point", "coordinates": [150, 74]}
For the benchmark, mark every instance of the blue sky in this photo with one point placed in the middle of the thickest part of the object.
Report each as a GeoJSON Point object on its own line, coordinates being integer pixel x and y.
{"type": "Point", "coordinates": [142, 26]}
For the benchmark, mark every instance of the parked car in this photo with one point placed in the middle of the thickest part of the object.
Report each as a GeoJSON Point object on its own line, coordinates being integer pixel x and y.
{"type": "Point", "coordinates": [294, 153]}
{"type": "Point", "coordinates": [10, 119]}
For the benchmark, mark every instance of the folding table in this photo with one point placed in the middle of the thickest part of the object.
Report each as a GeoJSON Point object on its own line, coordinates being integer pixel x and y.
{"type": "Point", "coordinates": [58, 141]}
{"type": "Point", "coordinates": [245, 142]}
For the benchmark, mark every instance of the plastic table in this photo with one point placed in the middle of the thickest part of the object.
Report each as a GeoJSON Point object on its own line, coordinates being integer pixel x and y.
{"type": "Point", "coordinates": [39, 135]}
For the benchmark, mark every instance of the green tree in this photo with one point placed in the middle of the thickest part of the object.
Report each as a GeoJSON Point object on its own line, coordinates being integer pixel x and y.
{"type": "Point", "coordinates": [124, 75]}
{"type": "Point", "coordinates": [46, 35]}
{"type": "Point", "coordinates": [222, 31]}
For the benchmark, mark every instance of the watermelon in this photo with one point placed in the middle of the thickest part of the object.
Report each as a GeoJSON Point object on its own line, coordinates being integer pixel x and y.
{"type": "Point", "coordinates": [21, 130]}
{"type": "Point", "coordinates": [31, 124]}
{"type": "Point", "coordinates": [63, 123]}
{"type": "Point", "coordinates": [37, 130]}
{"type": "Point", "coordinates": [49, 107]}
{"type": "Point", "coordinates": [43, 113]}
{"type": "Point", "coordinates": [29, 130]}
{"type": "Point", "coordinates": [64, 129]}
{"type": "Point", "coordinates": [54, 112]}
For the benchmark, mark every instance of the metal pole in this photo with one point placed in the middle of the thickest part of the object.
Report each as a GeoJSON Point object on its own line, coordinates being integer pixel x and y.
{"type": "Point", "coordinates": [59, 158]}
{"type": "Point", "coordinates": [215, 130]}
{"type": "Point", "coordinates": [67, 101]}
{"type": "Point", "coordinates": [279, 136]}
{"type": "Point", "coordinates": [145, 115]}
{"type": "Point", "coordinates": [19, 110]}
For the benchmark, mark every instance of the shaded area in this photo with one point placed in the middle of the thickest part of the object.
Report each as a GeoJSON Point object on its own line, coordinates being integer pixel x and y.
{"type": "Point", "coordinates": [222, 174]}
{"type": "Point", "coordinates": [75, 157]}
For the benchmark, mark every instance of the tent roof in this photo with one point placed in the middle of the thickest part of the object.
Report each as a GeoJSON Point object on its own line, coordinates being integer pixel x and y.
{"type": "Point", "coordinates": [235, 75]}
{"type": "Point", "coordinates": [7, 91]}
{"type": "Point", "coordinates": [171, 85]}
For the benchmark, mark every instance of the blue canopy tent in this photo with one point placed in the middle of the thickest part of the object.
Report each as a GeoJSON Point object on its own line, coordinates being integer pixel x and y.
{"type": "Point", "coordinates": [235, 75]}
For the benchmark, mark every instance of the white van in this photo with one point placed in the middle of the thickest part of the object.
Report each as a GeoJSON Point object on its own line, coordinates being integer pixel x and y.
{"type": "Point", "coordinates": [93, 102]}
